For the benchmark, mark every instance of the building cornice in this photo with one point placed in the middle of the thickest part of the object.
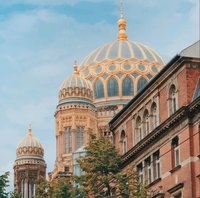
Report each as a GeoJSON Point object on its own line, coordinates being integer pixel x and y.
{"type": "Point", "coordinates": [161, 130]}
{"type": "Point", "coordinates": [162, 76]}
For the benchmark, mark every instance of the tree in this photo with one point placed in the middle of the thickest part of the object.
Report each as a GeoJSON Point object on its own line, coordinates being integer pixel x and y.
{"type": "Point", "coordinates": [61, 188]}
{"type": "Point", "coordinates": [3, 184]}
{"type": "Point", "coordinates": [43, 189]}
{"type": "Point", "coordinates": [58, 188]}
{"type": "Point", "coordinates": [15, 194]}
{"type": "Point", "coordinates": [102, 173]}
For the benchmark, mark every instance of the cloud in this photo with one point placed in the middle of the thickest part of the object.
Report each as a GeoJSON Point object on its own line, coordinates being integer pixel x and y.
{"type": "Point", "coordinates": [38, 46]}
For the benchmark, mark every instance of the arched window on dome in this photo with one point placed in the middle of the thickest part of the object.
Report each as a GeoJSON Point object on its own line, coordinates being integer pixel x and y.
{"type": "Point", "coordinates": [68, 140]}
{"type": "Point", "coordinates": [141, 84]}
{"type": "Point", "coordinates": [113, 88]}
{"type": "Point", "coordinates": [127, 87]}
{"type": "Point", "coordinates": [79, 137]}
{"type": "Point", "coordinates": [98, 89]}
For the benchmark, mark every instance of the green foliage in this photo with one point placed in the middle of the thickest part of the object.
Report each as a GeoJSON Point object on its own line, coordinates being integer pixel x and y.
{"type": "Point", "coordinates": [3, 184]}
{"type": "Point", "coordinates": [100, 165]}
{"type": "Point", "coordinates": [59, 188]}
{"type": "Point", "coordinates": [102, 173]}
{"type": "Point", "coordinates": [15, 195]}
{"type": "Point", "coordinates": [43, 189]}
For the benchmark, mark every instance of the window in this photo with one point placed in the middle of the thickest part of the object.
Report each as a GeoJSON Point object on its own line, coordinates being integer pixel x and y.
{"type": "Point", "coordinates": [127, 87]}
{"type": "Point", "coordinates": [79, 137]}
{"type": "Point", "coordinates": [123, 142]}
{"type": "Point", "coordinates": [22, 187]}
{"type": "Point", "coordinates": [148, 170]}
{"type": "Point", "coordinates": [172, 99]}
{"type": "Point", "coordinates": [178, 195]}
{"type": "Point", "coordinates": [154, 115]}
{"type": "Point", "coordinates": [175, 152]}
{"type": "Point", "coordinates": [146, 123]}
{"type": "Point", "coordinates": [156, 165]}
{"type": "Point", "coordinates": [68, 140]}
{"type": "Point", "coordinates": [140, 172]}
{"type": "Point", "coordinates": [141, 84]}
{"type": "Point", "coordinates": [138, 129]}
{"type": "Point", "coordinates": [113, 87]}
{"type": "Point", "coordinates": [98, 89]}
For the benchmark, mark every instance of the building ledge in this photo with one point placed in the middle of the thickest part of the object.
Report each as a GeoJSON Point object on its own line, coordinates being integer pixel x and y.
{"type": "Point", "coordinates": [154, 182]}
{"type": "Point", "coordinates": [158, 195]}
{"type": "Point", "coordinates": [175, 188]}
{"type": "Point", "coordinates": [175, 169]}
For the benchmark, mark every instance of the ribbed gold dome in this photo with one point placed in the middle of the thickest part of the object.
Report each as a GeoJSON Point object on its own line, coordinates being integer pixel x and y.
{"type": "Point", "coordinates": [30, 146]}
{"type": "Point", "coordinates": [75, 88]}
{"type": "Point", "coordinates": [120, 69]}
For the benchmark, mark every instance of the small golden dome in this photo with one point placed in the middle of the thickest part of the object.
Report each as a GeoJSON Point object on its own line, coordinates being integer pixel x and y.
{"type": "Point", "coordinates": [75, 86]}
{"type": "Point", "coordinates": [30, 146]}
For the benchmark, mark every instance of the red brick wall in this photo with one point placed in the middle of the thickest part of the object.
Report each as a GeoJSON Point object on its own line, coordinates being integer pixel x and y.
{"type": "Point", "coordinates": [163, 108]}
{"type": "Point", "coordinates": [193, 75]}
{"type": "Point", "coordinates": [129, 133]}
{"type": "Point", "coordinates": [182, 88]}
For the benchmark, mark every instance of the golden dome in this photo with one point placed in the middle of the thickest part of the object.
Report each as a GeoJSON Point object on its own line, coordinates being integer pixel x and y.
{"type": "Point", "coordinates": [120, 69]}
{"type": "Point", "coordinates": [75, 86]}
{"type": "Point", "coordinates": [30, 146]}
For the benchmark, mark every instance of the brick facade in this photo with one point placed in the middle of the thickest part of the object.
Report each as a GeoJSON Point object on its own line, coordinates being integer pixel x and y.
{"type": "Point", "coordinates": [162, 129]}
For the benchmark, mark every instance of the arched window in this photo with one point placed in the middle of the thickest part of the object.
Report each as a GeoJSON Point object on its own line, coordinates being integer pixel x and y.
{"type": "Point", "coordinates": [172, 99]}
{"type": "Point", "coordinates": [98, 89]}
{"type": "Point", "coordinates": [113, 89]}
{"type": "Point", "coordinates": [138, 129]}
{"type": "Point", "coordinates": [79, 137]}
{"type": "Point", "coordinates": [127, 87]}
{"type": "Point", "coordinates": [123, 142]}
{"type": "Point", "coordinates": [154, 113]}
{"type": "Point", "coordinates": [68, 140]}
{"type": "Point", "coordinates": [141, 84]}
{"type": "Point", "coordinates": [146, 122]}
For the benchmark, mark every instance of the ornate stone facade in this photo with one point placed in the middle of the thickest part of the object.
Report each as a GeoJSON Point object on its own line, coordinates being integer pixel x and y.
{"type": "Point", "coordinates": [106, 80]}
{"type": "Point", "coordinates": [29, 166]}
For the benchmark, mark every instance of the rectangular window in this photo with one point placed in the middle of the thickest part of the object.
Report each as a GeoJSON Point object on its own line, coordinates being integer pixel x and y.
{"type": "Point", "coordinates": [68, 140]}
{"type": "Point", "coordinates": [148, 170]}
{"type": "Point", "coordinates": [140, 172]}
{"type": "Point", "coordinates": [175, 152]}
{"type": "Point", "coordinates": [156, 165]}
{"type": "Point", "coordinates": [79, 137]}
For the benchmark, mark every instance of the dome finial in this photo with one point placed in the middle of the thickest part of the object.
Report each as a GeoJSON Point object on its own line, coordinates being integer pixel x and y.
{"type": "Point", "coordinates": [121, 9]}
{"type": "Point", "coordinates": [76, 67]}
{"type": "Point", "coordinates": [30, 130]}
{"type": "Point", "coordinates": [122, 35]}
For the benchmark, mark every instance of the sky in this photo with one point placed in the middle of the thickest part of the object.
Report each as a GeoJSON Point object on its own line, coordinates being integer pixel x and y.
{"type": "Point", "coordinates": [41, 39]}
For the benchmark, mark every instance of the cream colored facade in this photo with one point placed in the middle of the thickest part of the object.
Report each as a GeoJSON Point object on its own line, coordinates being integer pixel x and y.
{"type": "Point", "coordinates": [106, 80]}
